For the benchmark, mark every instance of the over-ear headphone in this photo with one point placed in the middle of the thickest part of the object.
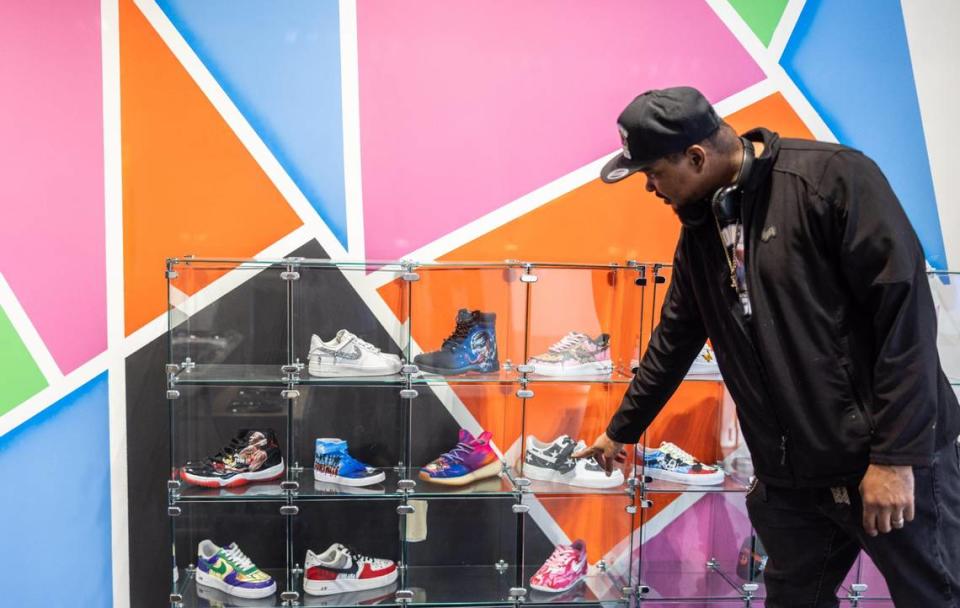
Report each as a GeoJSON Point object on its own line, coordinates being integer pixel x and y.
{"type": "Point", "coordinates": [726, 200]}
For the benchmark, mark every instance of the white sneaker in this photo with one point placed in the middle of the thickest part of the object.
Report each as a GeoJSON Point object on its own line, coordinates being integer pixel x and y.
{"type": "Point", "coordinates": [705, 365]}
{"type": "Point", "coordinates": [340, 570]}
{"type": "Point", "coordinates": [348, 355]}
{"type": "Point", "coordinates": [576, 354]}
{"type": "Point", "coordinates": [552, 462]}
{"type": "Point", "coordinates": [670, 463]}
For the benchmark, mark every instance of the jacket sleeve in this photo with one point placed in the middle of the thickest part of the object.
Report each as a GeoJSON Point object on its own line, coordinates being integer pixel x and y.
{"type": "Point", "coordinates": [883, 263]}
{"type": "Point", "coordinates": [673, 346]}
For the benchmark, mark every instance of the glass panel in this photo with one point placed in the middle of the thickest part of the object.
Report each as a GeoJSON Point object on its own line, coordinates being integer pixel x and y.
{"type": "Point", "coordinates": [574, 324]}
{"type": "Point", "coordinates": [691, 545]}
{"type": "Point", "coordinates": [874, 581]}
{"type": "Point", "coordinates": [222, 524]}
{"type": "Point", "coordinates": [468, 323]}
{"type": "Point", "coordinates": [577, 548]}
{"type": "Point", "coordinates": [368, 420]}
{"type": "Point", "coordinates": [465, 433]}
{"type": "Point", "coordinates": [240, 336]}
{"type": "Point", "coordinates": [556, 420]}
{"type": "Point", "coordinates": [368, 528]}
{"type": "Point", "coordinates": [460, 551]}
{"type": "Point", "coordinates": [244, 428]}
{"type": "Point", "coordinates": [346, 329]}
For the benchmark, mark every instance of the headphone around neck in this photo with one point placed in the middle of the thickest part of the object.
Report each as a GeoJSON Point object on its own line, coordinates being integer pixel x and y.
{"type": "Point", "coordinates": [726, 200]}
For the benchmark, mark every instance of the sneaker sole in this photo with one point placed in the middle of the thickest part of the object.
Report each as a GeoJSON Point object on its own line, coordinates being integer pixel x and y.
{"type": "Point", "coordinates": [273, 473]}
{"type": "Point", "coordinates": [692, 480]}
{"type": "Point", "coordinates": [348, 481]}
{"type": "Point", "coordinates": [443, 371]}
{"type": "Point", "coordinates": [558, 590]}
{"type": "Point", "coordinates": [484, 472]}
{"type": "Point", "coordinates": [347, 585]}
{"type": "Point", "coordinates": [251, 594]}
{"type": "Point", "coordinates": [342, 371]}
{"type": "Point", "coordinates": [542, 474]}
{"type": "Point", "coordinates": [583, 369]}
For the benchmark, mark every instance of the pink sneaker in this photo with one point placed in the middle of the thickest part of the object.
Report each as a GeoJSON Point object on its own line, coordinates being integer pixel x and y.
{"type": "Point", "coordinates": [563, 569]}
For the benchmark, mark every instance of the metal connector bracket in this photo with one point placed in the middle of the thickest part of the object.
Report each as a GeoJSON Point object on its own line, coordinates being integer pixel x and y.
{"type": "Point", "coordinates": [406, 485]}
{"type": "Point", "coordinates": [404, 595]}
{"type": "Point", "coordinates": [289, 596]}
{"type": "Point", "coordinates": [289, 394]}
{"type": "Point", "coordinates": [525, 393]}
{"type": "Point", "coordinates": [171, 274]}
{"type": "Point", "coordinates": [518, 592]}
{"type": "Point", "coordinates": [409, 369]}
{"type": "Point", "coordinates": [173, 394]}
{"type": "Point", "coordinates": [526, 369]}
{"type": "Point", "coordinates": [291, 486]}
{"type": "Point", "coordinates": [174, 511]}
{"type": "Point", "coordinates": [645, 503]}
{"type": "Point", "coordinates": [171, 368]}
{"type": "Point", "coordinates": [520, 508]}
{"type": "Point", "coordinates": [408, 393]}
{"type": "Point", "coordinates": [290, 275]}
{"type": "Point", "coordinates": [289, 510]}
{"type": "Point", "coordinates": [631, 509]}
{"type": "Point", "coordinates": [410, 277]}
{"type": "Point", "coordinates": [522, 482]}
{"type": "Point", "coordinates": [406, 510]}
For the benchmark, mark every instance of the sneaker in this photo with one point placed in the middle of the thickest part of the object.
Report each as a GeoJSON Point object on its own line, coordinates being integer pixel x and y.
{"type": "Point", "coordinates": [472, 459]}
{"type": "Point", "coordinates": [250, 456]}
{"type": "Point", "coordinates": [348, 355]}
{"type": "Point", "coordinates": [332, 463]}
{"type": "Point", "coordinates": [472, 347]}
{"type": "Point", "coordinates": [670, 463]}
{"type": "Point", "coordinates": [565, 567]}
{"type": "Point", "coordinates": [341, 570]}
{"type": "Point", "coordinates": [229, 570]}
{"type": "Point", "coordinates": [705, 365]}
{"type": "Point", "coordinates": [576, 354]}
{"type": "Point", "coordinates": [371, 597]}
{"type": "Point", "coordinates": [552, 462]}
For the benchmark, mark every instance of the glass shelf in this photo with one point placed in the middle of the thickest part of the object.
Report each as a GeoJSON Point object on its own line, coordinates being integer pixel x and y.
{"type": "Point", "coordinates": [248, 493]}
{"type": "Point", "coordinates": [731, 483]}
{"type": "Point", "coordinates": [311, 489]}
{"type": "Point", "coordinates": [225, 374]}
{"type": "Point", "coordinates": [493, 487]}
{"type": "Point", "coordinates": [460, 585]}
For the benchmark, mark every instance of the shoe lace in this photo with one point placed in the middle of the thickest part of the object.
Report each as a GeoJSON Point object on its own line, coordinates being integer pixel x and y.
{"type": "Point", "coordinates": [239, 559]}
{"type": "Point", "coordinates": [355, 555]}
{"type": "Point", "coordinates": [673, 450]}
{"type": "Point", "coordinates": [557, 562]}
{"type": "Point", "coordinates": [566, 343]}
{"type": "Point", "coordinates": [365, 345]}
{"type": "Point", "coordinates": [458, 453]}
{"type": "Point", "coordinates": [236, 444]}
{"type": "Point", "coordinates": [460, 332]}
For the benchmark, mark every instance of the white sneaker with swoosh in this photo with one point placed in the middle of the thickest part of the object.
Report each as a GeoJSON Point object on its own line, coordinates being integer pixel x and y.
{"type": "Point", "coordinates": [349, 355]}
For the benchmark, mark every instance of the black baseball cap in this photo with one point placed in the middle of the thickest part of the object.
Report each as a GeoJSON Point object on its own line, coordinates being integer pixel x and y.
{"type": "Point", "coordinates": [658, 123]}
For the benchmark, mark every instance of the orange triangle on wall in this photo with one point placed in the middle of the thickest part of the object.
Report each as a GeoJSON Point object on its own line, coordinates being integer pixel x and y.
{"type": "Point", "coordinates": [190, 187]}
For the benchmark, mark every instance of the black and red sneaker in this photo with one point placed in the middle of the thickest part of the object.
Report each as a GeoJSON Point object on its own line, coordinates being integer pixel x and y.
{"type": "Point", "coordinates": [252, 455]}
{"type": "Point", "coordinates": [340, 570]}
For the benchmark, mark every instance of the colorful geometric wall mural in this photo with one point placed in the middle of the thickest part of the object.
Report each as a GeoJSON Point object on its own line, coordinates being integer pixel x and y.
{"type": "Point", "coordinates": [143, 129]}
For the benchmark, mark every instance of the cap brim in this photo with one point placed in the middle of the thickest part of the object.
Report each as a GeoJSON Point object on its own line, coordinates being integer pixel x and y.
{"type": "Point", "coordinates": [618, 168]}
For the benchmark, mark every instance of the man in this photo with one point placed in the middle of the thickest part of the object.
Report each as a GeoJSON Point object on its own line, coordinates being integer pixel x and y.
{"type": "Point", "coordinates": [798, 263]}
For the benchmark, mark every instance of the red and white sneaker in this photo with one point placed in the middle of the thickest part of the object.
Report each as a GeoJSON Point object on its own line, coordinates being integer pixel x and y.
{"type": "Point", "coordinates": [565, 567]}
{"type": "Point", "coordinates": [341, 570]}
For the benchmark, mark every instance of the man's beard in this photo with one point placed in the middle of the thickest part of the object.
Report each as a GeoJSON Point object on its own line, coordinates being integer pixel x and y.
{"type": "Point", "coordinates": [693, 215]}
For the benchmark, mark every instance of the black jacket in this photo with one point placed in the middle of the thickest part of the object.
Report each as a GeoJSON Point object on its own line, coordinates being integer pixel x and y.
{"type": "Point", "coordinates": [837, 367]}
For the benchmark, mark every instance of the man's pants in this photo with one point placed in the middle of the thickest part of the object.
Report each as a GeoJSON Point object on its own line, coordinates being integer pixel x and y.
{"type": "Point", "coordinates": [813, 537]}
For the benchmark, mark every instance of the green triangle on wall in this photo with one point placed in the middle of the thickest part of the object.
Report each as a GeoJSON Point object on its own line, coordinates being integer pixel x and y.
{"type": "Point", "coordinates": [761, 15]}
{"type": "Point", "coordinates": [21, 377]}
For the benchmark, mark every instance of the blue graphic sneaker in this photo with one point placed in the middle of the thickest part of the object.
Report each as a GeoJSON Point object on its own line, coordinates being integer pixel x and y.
{"type": "Point", "coordinates": [670, 463]}
{"type": "Point", "coordinates": [333, 464]}
{"type": "Point", "coordinates": [472, 347]}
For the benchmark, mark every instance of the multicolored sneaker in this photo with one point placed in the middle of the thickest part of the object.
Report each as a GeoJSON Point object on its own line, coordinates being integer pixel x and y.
{"type": "Point", "coordinates": [670, 463]}
{"type": "Point", "coordinates": [472, 459]}
{"type": "Point", "coordinates": [349, 355]}
{"type": "Point", "coordinates": [230, 571]}
{"type": "Point", "coordinates": [332, 463]}
{"type": "Point", "coordinates": [552, 462]}
{"type": "Point", "coordinates": [340, 570]}
{"type": "Point", "coordinates": [472, 347]}
{"type": "Point", "coordinates": [250, 456]}
{"type": "Point", "coordinates": [576, 354]}
{"type": "Point", "coordinates": [565, 567]}
{"type": "Point", "coordinates": [705, 365]}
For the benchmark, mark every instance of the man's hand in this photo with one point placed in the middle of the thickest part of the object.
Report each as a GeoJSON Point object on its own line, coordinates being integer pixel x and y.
{"type": "Point", "coordinates": [605, 450]}
{"type": "Point", "coordinates": [887, 493]}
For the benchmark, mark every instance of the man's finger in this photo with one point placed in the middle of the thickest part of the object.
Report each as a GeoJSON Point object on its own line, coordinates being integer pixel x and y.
{"type": "Point", "coordinates": [908, 512]}
{"type": "Point", "coordinates": [897, 520]}
{"type": "Point", "coordinates": [869, 520]}
{"type": "Point", "coordinates": [584, 453]}
{"type": "Point", "coordinates": [884, 521]}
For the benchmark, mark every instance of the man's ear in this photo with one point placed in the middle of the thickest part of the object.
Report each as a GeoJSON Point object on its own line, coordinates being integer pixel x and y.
{"type": "Point", "coordinates": [696, 156]}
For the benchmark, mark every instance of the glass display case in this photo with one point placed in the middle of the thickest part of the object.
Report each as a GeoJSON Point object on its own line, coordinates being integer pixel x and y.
{"type": "Point", "coordinates": [401, 433]}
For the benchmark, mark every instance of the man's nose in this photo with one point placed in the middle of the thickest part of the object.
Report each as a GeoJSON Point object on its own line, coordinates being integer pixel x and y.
{"type": "Point", "coordinates": [650, 187]}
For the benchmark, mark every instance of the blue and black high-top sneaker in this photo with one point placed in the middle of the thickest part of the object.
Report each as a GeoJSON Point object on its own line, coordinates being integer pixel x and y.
{"type": "Point", "coordinates": [472, 347]}
{"type": "Point", "coordinates": [332, 463]}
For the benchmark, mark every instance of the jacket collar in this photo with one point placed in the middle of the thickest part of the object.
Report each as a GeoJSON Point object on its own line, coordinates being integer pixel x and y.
{"type": "Point", "coordinates": [763, 164]}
